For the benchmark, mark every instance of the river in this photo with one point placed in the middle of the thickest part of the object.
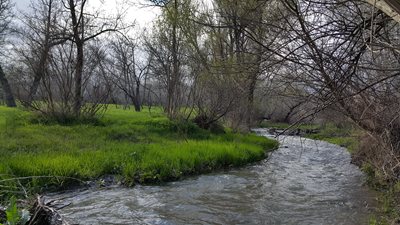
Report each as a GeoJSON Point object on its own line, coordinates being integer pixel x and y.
{"type": "Point", "coordinates": [303, 182]}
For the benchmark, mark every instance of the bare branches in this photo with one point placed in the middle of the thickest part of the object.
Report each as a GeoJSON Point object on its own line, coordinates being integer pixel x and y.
{"type": "Point", "coordinates": [5, 18]}
{"type": "Point", "coordinates": [126, 71]}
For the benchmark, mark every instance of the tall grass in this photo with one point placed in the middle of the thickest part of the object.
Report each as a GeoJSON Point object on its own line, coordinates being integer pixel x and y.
{"type": "Point", "coordinates": [142, 147]}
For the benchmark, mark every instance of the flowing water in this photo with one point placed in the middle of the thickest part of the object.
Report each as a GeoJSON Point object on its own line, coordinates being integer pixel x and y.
{"type": "Point", "coordinates": [303, 182]}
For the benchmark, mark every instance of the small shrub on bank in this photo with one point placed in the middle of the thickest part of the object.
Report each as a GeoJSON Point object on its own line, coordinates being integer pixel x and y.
{"type": "Point", "coordinates": [12, 215]}
{"type": "Point", "coordinates": [207, 123]}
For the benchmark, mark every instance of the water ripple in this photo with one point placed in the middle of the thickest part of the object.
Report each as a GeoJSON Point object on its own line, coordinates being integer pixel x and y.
{"type": "Point", "coordinates": [304, 182]}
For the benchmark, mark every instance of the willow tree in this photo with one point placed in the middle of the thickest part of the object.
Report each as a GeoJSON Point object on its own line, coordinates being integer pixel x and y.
{"type": "Point", "coordinates": [167, 47]}
{"type": "Point", "coordinates": [234, 26]}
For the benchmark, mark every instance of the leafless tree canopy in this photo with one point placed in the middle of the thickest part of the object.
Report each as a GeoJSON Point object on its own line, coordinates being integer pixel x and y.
{"type": "Point", "coordinates": [5, 19]}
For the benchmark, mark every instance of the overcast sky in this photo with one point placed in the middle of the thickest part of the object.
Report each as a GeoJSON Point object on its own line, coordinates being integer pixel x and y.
{"type": "Point", "coordinates": [137, 11]}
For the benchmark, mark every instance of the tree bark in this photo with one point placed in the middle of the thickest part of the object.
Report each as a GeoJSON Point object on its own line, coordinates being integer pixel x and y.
{"type": "Point", "coordinates": [173, 85]}
{"type": "Point", "coordinates": [256, 70]}
{"type": "Point", "coordinates": [38, 75]}
{"type": "Point", "coordinates": [78, 31]}
{"type": "Point", "coordinates": [78, 80]}
{"type": "Point", "coordinates": [137, 102]}
{"type": "Point", "coordinates": [9, 97]}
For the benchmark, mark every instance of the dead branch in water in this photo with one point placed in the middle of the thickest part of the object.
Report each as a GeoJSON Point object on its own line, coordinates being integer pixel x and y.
{"type": "Point", "coordinates": [44, 214]}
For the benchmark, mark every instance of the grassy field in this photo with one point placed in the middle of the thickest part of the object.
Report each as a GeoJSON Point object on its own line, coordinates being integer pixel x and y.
{"type": "Point", "coordinates": [142, 147]}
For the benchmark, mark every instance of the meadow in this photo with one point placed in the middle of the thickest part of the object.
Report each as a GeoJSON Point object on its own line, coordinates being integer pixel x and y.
{"type": "Point", "coordinates": [134, 147]}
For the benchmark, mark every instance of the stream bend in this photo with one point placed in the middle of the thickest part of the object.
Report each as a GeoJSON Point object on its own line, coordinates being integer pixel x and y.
{"type": "Point", "coordinates": [303, 182]}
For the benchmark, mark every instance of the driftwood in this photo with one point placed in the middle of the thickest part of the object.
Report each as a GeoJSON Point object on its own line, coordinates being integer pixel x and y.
{"type": "Point", "coordinates": [43, 214]}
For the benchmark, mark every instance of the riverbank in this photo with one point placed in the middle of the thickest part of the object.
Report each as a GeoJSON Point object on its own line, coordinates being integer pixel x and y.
{"type": "Point", "coordinates": [303, 182]}
{"type": "Point", "coordinates": [388, 211]}
{"type": "Point", "coordinates": [133, 147]}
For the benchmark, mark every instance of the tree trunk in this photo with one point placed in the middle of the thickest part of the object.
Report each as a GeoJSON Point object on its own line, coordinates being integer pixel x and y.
{"type": "Point", "coordinates": [173, 98]}
{"type": "Point", "coordinates": [78, 31]}
{"type": "Point", "coordinates": [39, 73]}
{"type": "Point", "coordinates": [78, 79]}
{"type": "Point", "coordinates": [137, 102]}
{"type": "Point", "coordinates": [256, 70]}
{"type": "Point", "coordinates": [8, 95]}
{"type": "Point", "coordinates": [250, 100]}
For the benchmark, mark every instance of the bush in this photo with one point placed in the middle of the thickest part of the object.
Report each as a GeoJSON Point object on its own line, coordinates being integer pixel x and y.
{"type": "Point", "coordinates": [207, 123]}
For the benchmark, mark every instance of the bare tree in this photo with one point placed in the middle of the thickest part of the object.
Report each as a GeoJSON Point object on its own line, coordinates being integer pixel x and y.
{"type": "Point", "coordinates": [84, 28]}
{"type": "Point", "coordinates": [41, 32]}
{"type": "Point", "coordinates": [5, 19]}
{"type": "Point", "coordinates": [59, 36]}
{"type": "Point", "coordinates": [127, 70]}
{"type": "Point", "coordinates": [232, 27]}
{"type": "Point", "coordinates": [346, 58]}
{"type": "Point", "coordinates": [166, 64]}
{"type": "Point", "coordinates": [169, 52]}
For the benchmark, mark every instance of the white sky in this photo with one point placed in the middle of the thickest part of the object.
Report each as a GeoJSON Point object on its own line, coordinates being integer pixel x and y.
{"type": "Point", "coordinates": [136, 9]}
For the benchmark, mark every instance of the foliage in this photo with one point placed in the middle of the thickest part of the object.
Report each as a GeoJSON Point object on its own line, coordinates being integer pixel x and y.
{"type": "Point", "coordinates": [15, 216]}
{"type": "Point", "coordinates": [388, 210]}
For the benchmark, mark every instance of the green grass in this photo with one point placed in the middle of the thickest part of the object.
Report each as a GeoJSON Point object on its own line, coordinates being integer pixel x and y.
{"type": "Point", "coordinates": [142, 147]}
{"type": "Point", "coordinates": [388, 211]}
{"type": "Point", "coordinates": [280, 125]}
{"type": "Point", "coordinates": [343, 136]}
